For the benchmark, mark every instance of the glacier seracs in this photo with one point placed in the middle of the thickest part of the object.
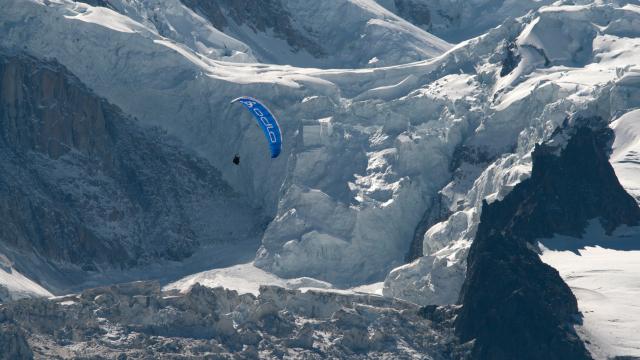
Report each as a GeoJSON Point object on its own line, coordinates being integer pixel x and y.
{"type": "Point", "coordinates": [350, 217]}
{"type": "Point", "coordinates": [548, 84]}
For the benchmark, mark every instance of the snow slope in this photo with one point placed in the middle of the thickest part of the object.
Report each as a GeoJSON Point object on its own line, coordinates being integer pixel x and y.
{"type": "Point", "coordinates": [325, 34]}
{"type": "Point", "coordinates": [344, 34]}
{"type": "Point", "coordinates": [14, 285]}
{"type": "Point", "coordinates": [173, 20]}
{"type": "Point", "coordinates": [602, 271]}
{"type": "Point", "coordinates": [626, 149]}
{"type": "Point", "coordinates": [247, 279]}
{"type": "Point", "coordinates": [169, 19]}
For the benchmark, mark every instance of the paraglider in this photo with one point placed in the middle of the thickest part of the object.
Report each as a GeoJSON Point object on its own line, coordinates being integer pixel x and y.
{"type": "Point", "coordinates": [267, 122]}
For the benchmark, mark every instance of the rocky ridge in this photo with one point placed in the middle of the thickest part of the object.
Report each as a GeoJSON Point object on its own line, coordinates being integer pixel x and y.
{"type": "Point", "coordinates": [86, 188]}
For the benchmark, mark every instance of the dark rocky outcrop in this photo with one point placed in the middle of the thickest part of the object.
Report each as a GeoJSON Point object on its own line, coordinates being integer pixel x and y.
{"type": "Point", "coordinates": [102, 3]}
{"type": "Point", "coordinates": [13, 342]}
{"type": "Point", "coordinates": [511, 59]}
{"type": "Point", "coordinates": [83, 185]}
{"type": "Point", "coordinates": [418, 13]}
{"type": "Point", "coordinates": [514, 305]}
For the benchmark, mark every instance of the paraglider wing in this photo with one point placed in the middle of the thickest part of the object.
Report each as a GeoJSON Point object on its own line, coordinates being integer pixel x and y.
{"type": "Point", "coordinates": [267, 122]}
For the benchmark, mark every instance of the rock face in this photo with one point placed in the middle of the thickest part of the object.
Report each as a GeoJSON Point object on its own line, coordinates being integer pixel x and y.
{"type": "Point", "coordinates": [138, 320]}
{"type": "Point", "coordinates": [511, 59]}
{"type": "Point", "coordinates": [84, 186]}
{"type": "Point", "coordinates": [13, 342]}
{"type": "Point", "coordinates": [416, 12]}
{"type": "Point", "coordinates": [514, 305]}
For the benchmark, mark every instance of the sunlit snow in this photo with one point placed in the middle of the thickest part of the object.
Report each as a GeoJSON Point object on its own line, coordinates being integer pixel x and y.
{"type": "Point", "coordinates": [604, 274]}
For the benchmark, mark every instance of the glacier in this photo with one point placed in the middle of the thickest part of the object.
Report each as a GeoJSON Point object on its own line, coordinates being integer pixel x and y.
{"type": "Point", "coordinates": [387, 148]}
{"type": "Point", "coordinates": [202, 119]}
{"type": "Point", "coordinates": [545, 87]}
{"type": "Point", "coordinates": [368, 151]}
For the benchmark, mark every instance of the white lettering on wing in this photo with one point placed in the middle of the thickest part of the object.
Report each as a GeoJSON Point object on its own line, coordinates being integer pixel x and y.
{"type": "Point", "coordinates": [264, 120]}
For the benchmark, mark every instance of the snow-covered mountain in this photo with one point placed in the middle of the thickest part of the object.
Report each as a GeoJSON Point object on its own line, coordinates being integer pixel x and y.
{"type": "Point", "coordinates": [458, 20]}
{"type": "Point", "coordinates": [380, 165]}
{"type": "Point", "coordinates": [85, 188]}
{"type": "Point", "coordinates": [188, 96]}
{"type": "Point", "coordinates": [173, 20]}
{"type": "Point", "coordinates": [326, 34]}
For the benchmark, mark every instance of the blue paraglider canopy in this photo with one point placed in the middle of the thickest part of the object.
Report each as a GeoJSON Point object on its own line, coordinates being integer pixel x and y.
{"type": "Point", "coordinates": [267, 122]}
